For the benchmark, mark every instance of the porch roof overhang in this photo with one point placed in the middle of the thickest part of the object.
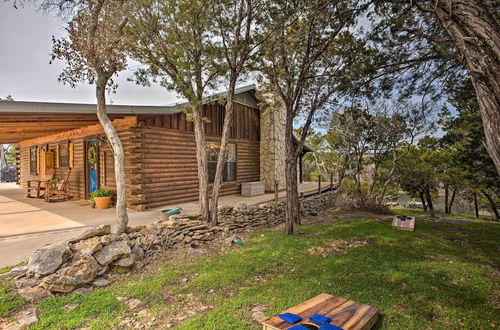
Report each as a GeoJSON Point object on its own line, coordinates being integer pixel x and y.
{"type": "Point", "coordinates": [21, 120]}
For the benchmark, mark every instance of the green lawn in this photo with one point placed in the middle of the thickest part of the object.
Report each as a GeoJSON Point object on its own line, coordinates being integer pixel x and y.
{"type": "Point", "coordinates": [439, 214]}
{"type": "Point", "coordinates": [440, 276]}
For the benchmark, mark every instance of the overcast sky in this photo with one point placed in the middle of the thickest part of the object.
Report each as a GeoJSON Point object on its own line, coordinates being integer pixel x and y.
{"type": "Point", "coordinates": [25, 72]}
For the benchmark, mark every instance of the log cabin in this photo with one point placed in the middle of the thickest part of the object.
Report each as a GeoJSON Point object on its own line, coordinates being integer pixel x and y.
{"type": "Point", "coordinates": [67, 141]}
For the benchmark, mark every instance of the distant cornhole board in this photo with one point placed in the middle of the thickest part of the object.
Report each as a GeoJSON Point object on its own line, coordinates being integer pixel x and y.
{"type": "Point", "coordinates": [347, 314]}
{"type": "Point", "coordinates": [403, 222]}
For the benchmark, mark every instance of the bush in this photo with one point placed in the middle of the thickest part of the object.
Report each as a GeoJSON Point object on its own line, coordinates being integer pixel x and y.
{"type": "Point", "coordinates": [362, 203]}
{"type": "Point", "coordinates": [101, 193]}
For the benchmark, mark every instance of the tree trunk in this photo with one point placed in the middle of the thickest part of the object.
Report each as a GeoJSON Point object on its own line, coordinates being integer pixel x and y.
{"type": "Point", "coordinates": [118, 154]}
{"type": "Point", "coordinates": [452, 200]}
{"type": "Point", "coordinates": [429, 199]}
{"type": "Point", "coordinates": [474, 30]}
{"type": "Point", "coordinates": [292, 195]}
{"type": "Point", "coordinates": [422, 199]}
{"type": "Point", "coordinates": [374, 179]}
{"type": "Point", "coordinates": [492, 204]}
{"type": "Point", "coordinates": [357, 182]}
{"type": "Point", "coordinates": [476, 208]}
{"type": "Point", "coordinates": [201, 157]}
{"type": "Point", "coordinates": [214, 201]}
{"type": "Point", "coordinates": [446, 199]}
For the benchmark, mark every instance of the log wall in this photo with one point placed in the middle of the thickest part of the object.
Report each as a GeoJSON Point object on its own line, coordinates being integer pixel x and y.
{"type": "Point", "coordinates": [160, 156]}
{"type": "Point", "coordinates": [165, 170]}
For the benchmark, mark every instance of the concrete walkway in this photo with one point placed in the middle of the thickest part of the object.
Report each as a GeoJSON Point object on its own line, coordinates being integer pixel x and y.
{"type": "Point", "coordinates": [27, 224]}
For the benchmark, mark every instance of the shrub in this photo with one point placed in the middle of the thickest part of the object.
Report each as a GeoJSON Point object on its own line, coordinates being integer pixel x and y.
{"type": "Point", "coordinates": [362, 203]}
{"type": "Point", "coordinates": [101, 193]}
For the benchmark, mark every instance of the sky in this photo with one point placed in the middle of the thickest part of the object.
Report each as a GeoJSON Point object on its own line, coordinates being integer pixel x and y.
{"type": "Point", "coordinates": [25, 72]}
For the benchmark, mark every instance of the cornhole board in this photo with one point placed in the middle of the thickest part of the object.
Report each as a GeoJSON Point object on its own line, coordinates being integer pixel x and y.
{"type": "Point", "coordinates": [344, 313]}
{"type": "Point", "coordinates": [403, 222]}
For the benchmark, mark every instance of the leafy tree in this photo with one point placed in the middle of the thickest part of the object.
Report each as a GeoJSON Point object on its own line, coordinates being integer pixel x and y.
{"type": "Point", "coordinates": [417, 174]}
{"type": "Point", "coordinates": [94, 52]}
{"type": "Point", "coordinates": [7, 98]}
{"type": "Point", "coordinates": [301, 61]}
{"type": "Point", "coordinates": [175, 40]}
{"type": "Point", "coordinates": [465, 138]}
{"type": "Point", "coordinates": [434, 41]}
{"type": "Point", "coordinates": [189, 46]}
{"type": "Point", "coordinates": [234, 21]}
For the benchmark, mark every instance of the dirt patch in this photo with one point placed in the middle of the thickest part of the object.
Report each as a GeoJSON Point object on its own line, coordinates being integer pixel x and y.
{"type": "Point", "coordinates": [336, 247]}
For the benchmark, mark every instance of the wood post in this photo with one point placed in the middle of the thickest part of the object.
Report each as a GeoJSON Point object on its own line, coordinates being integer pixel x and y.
{"type": "Point", "coordinates": [319, 183]}
{"type": "Point", "coordinates": [331, 181]}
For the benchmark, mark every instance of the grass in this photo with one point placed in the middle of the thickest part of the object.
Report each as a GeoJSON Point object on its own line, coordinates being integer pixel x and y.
{"type": "Point", "coordinates": [439, 214]}
{"type": "Point", "coordinates": [440, 276]}
{"type": "Point", "coordinates": [9, 300]}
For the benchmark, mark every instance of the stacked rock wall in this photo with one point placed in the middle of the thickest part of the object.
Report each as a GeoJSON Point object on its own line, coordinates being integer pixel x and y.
{"type": "Point", "coordinates": [85, 260]}
{"type": "Point", "coordinates": [272, 144]}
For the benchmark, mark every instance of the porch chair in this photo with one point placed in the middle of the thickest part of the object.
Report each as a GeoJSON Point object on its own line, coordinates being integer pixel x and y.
{"type": "Point", "coordinates": [39, 185]}
{"type": "Point", "coordinates": [58, 191]}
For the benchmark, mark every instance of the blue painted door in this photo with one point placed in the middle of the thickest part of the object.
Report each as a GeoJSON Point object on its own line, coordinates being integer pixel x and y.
{"type": "Point", "coordinates": [92, 165]}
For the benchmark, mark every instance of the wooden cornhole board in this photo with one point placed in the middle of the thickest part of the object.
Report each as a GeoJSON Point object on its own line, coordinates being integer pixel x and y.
{"type": "Point", "coordinates": [403, 222]}
{"type": "Point", "coordinates": [344, 313]}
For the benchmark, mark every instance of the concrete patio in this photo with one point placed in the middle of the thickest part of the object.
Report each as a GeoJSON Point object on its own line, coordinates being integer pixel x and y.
{"type": "Point", "coordinates": [27, 224]}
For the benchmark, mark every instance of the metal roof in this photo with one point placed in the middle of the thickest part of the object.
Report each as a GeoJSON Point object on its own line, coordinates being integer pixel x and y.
{"type": "Point", "coordinates": [86, 108]}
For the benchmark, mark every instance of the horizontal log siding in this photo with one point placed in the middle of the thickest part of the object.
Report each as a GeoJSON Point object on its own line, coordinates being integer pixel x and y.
{"type": "Point", "coordinates": [77, 178]}
{"type": "Point", "coordinates": [165, 170]}
{"type": "Point", "coordinates": [77, 175]}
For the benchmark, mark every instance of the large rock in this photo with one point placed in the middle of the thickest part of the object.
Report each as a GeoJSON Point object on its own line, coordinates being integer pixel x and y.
{"type": "Point", "coordinates": [47, 260]}
{"type": "Point", "coordinates": [34, 293]}
{"type": "Point", "coordinates": [79, 273]}
{"type": "Point", "coordinates": [112, 252]}
{"type": "Point", "coordinates": [125, 262]}
{"type": "Point", "coordinates": [95, 231]}
{"type": "Point", "coordinates": [88, 246]}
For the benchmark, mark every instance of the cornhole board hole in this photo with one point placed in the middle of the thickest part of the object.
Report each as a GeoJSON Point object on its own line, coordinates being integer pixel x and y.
{"type": "Point", "coordinates": [403, 222]}
{"type": "Point", "coordinates": [344, 313]}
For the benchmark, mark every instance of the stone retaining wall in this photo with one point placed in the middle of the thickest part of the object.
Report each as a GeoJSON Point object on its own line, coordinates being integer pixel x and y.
{"type": "Point", "coordinates": [86, 260]}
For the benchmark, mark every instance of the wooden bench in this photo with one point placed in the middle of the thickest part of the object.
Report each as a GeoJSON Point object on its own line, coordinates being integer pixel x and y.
{"type": "Point", "coordinates": [344, 313]}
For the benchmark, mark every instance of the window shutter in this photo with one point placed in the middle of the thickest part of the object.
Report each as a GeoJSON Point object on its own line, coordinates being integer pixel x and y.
{"type": "Point", "coordinates": [57, 155]}
{"type": "Point", "coordinates": [70, 151]}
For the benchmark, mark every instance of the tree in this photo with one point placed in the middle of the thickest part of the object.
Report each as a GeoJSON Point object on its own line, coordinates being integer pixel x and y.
{"type": "Point", "coordinates": [417, 174]}
{"type": "Point", "coordinates": [94, 52]}
{"type": "Point", "coordinates": [234, 21]}
{"type": "Point", "coordinates": [465, 138]}
{"type": "Point", "coordinates": [447, 35]}
{"type": "Point", "coordinates": [300, 63]}
{"type": "Point", "coordinates": [7, 98]}
{"type": "Point", "coordinates": [176, 42]}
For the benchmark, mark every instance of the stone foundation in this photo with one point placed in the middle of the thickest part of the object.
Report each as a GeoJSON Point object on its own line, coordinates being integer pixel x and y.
{"type": "Point", "coordinates": [87, 260]}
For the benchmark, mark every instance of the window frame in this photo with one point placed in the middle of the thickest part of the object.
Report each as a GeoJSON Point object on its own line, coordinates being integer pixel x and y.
{"type": "Point", "coordinates": [60, 154]}
{"type": "Point", "coordinates": [226, 162]}
{"type": "Point", "coordinates": [33, 162]}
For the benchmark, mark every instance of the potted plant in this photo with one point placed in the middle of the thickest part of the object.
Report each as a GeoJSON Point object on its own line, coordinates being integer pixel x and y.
{"type": "Point", "coordinates": [101, 198]}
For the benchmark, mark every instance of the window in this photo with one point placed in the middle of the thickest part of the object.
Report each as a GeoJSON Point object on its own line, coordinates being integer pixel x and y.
{"type": "Point", "coordinates": [229, 169]}
{"type": "Point", "coordinates": [33, 160]}
{"type": "Point", "coordinates": [63, 155]}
